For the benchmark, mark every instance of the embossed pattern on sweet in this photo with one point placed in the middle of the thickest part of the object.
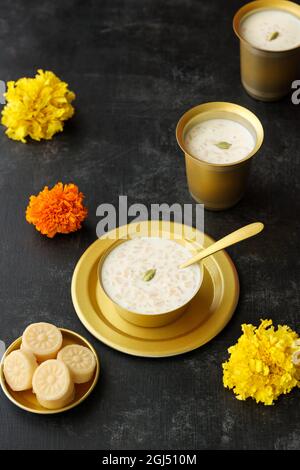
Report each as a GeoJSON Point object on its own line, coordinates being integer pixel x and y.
{"type": "Point", "coordinates": [80, 362]}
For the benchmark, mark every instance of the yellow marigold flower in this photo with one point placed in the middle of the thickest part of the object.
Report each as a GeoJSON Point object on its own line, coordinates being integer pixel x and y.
{"type": "Point", "coordinates": [260, 364]}
{"type": "Point", "coordinates": [57, 210]}
{"type": "Point", "coordinates": [36, 107]}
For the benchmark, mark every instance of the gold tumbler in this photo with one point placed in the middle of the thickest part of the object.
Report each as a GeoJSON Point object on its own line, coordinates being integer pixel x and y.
{"type": "Point", "coordinates": [218, 186]}
{"type": "Point", "coordinates": [267, 75]}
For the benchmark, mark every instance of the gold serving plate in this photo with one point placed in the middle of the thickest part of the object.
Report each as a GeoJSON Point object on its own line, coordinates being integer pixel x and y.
{"type": "Point", "coordinates": [27, 399]}
{"type": "Point", "coordinates": [205, 316]}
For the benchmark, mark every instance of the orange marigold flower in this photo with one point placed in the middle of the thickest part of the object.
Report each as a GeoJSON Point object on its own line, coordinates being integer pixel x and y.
{"type": "Point", "coordinates": [57, 210]}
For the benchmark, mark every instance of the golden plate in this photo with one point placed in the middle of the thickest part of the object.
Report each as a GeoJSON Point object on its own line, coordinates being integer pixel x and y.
{"type": "Point", "coordinates": [27, 399]}
{"type": "Point", "coordinates": [205, 317]}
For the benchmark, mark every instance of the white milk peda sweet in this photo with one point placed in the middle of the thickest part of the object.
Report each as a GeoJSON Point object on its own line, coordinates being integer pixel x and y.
{"type": "Point", "coordinates": [271, 30]}
{"type": "Point", "coordinates": [80, 361]}
{"type": "Point", "coordinates": [44, 340]}
{"type": "Point", "coordinates": [219, 141]}
{"type": "Point", "coordinates": [18, 368]}
{"type": "Point", "coordinates": [142, 275]}
{"type": "Point", "coordinates": [53, 385]}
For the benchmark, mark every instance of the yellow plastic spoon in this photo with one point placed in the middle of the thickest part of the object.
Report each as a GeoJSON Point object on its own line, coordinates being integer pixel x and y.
{"type": "Point", "coordinates": [234, 237]}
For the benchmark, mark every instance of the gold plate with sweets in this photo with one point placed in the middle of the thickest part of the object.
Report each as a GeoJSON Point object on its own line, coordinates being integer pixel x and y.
{"type": "Point", "coordinates": [27, 400]}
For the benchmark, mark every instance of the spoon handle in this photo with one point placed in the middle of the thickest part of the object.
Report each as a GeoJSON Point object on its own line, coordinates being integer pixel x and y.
{"type": "Point", "coordinates": [234, 237]}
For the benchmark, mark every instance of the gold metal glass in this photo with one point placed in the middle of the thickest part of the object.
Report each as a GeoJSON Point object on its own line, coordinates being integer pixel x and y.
{"type": "Point", "coordinates": [218, 186]}
{"type": "Point", "coordinates": [267, 75]}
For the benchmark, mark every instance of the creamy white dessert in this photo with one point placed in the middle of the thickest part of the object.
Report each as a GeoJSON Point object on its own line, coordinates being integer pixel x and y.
{"type": "Point", "coordinates": [219, 141]}
{"type": "Point", "coordinates": [143, 275]}
{"type": "Point", "coordinates": [271, 30]}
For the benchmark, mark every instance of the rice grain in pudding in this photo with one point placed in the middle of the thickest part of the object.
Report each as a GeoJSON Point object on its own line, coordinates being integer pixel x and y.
{"type": "Point", "coordinates": [271, 30]}
{"type": "Point", "coordinates": [124, 269]}
{"type": "Point", "coordinates": [219, 141]}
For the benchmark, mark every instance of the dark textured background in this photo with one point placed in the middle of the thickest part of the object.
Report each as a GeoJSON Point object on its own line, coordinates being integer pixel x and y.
{"type": "Point", "coordinates": [136, 66]}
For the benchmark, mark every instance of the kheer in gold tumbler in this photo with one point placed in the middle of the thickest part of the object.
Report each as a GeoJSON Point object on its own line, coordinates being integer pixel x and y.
{"type": "Point", "coordinates": [269, 34]}
{"type": "Point", "coordinates": [219, 140]}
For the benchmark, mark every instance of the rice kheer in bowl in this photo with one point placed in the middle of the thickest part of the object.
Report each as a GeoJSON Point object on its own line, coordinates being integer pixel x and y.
{"type": "Point", "coordinates": [141, 277]}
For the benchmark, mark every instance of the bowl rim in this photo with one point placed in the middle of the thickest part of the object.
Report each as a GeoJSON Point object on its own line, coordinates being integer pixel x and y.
{"type": "Point", "coordinates": [16, 343]}
{"type": "Point", "coordinates": [257, 5]}
{"type": "Point", "coordinates": [227, 107]}
{"type": "Point", "coordinates": [168, 312]}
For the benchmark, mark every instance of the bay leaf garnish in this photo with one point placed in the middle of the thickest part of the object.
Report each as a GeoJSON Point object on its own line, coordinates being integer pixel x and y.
{"type": "Point", "coordinates": [223, 145]}
{"type": "Point", "coordinates": [149, 275]}
{"type": "Point", "coordinates": [273, 36]}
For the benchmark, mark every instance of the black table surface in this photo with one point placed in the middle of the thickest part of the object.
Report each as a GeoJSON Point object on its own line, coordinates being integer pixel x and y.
{"type": "Point", "coordinates": [136, 66]}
